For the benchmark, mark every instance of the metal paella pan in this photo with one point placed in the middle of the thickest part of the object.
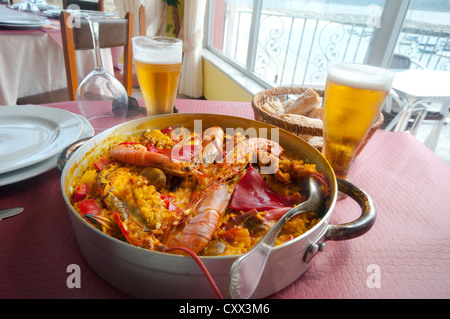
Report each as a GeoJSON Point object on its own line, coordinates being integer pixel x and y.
{"type": "Point", "coordinates": [145, 273]}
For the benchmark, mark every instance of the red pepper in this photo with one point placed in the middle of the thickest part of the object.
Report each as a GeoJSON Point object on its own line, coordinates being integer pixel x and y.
{"type": "Point", "coordinates": [167, 131]}
{"type": "Point", "coordinates": [169, 205]}
{"type": "Point", "coordinates": [90, 206]}
{"type": "Point", "coordinates": [276, 213]}
{"type": "Point", "coordinates": [122, 226]}
{"type": "Point", "coordinates": [230, 235]}
{"type": "Point", "coordinates": [101, 163]}
{"type": "Point", "coordinates": [81, 192]}
{"type": "Point", "coordinates": [253, 192]}
{"type": "Point", "coordinates": [184, 153]}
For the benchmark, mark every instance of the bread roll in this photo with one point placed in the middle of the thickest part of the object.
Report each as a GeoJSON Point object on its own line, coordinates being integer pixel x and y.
{"type": "Point", "coordinates": [316, 113]}
{"type": "Point", "coordinates": [302, 120]}
{"type": "Point", "coordinates": [306, 102]}
{"type": "Point", "coordinates": [273, 107]}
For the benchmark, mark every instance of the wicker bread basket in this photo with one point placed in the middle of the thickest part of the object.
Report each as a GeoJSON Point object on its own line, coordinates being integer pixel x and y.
{"type": "Point", "coordinates": [285, 93]}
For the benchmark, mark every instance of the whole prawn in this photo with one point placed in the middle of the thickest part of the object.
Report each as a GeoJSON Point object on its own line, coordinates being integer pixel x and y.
{"type": "Point", "coordinates": [196, 232]}
{"type": "Point", "coordinates": [138, 155]}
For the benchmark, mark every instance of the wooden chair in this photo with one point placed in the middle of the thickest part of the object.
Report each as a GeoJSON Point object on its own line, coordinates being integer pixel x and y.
{"type": "Point", "coordinates": [112, 33]}
{"type": "Point", "coordinates": [85, 5]}
{"type": "Point", "coordinates": [142, 22]}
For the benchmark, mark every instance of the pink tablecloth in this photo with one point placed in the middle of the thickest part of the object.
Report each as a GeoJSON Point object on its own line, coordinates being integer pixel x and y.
{"type": "Point", "coordinates": [405, 255]}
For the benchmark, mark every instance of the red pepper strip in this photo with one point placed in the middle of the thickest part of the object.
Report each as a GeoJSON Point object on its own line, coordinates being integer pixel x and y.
{"type": "Point", "coordinates": [81, 192]}
{"type": "Point", "coordinates": [253, 192]}
{"type": "Point", "coordinates": [184, 153]}
{"type": "Point", "coordinates": [169, 205]}
{"type": "Point", "coordinates": [122, 226]}
{"type": "Point", "coordinates": [276, 213]}
{"type": "Point", "coordinates": [230, 235]}
{"type": "Point", "coordinates": [167, 131]}
{"type": "Point", "coordinates": [101, 163]}
{"type": "Point", "coordinates": [90, 206]}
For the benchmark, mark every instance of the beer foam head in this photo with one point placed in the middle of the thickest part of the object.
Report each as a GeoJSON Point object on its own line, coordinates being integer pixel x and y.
{"type": "Point", "coordinates": [157, 50]}
{"type": "Point", "coordinates": [361, 76]}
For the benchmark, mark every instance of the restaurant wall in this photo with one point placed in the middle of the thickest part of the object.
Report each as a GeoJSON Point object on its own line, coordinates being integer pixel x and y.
{"type": "Point", "coordinates": [218, 86]}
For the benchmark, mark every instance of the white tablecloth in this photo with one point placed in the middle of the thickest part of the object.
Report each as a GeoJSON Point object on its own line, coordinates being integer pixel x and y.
{"type": "Point", "coordinates": [32, 62]}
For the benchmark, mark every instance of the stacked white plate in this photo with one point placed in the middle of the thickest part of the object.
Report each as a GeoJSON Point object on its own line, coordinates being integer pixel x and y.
{"type": "Point", "coordinates": [23, 22]}
{"type": "Point", "coordinates": [41, 6]}
{"type": "Point", "coordinates": [32, 136]}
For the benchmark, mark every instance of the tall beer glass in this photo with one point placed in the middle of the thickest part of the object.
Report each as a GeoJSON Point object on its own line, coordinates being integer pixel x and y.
{"type": "Point", "coordinates": [354, 95]}
{"type": "Point", "coordinates": [158, 66]}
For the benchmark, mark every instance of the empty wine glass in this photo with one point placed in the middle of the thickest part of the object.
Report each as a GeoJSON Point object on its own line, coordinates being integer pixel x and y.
{"type": "Point", "coordinates": [101, 98]}
{"type": "Point", "coordinates": [29, 5]}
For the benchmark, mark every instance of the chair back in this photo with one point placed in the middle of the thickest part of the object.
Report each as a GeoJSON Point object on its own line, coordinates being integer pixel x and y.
{"type": "Point", "coordinates": [403, 62]}
{"type": "Point", "coordinates": [112, 33]}
{"type": "Point", "coordinates": [85, 5]}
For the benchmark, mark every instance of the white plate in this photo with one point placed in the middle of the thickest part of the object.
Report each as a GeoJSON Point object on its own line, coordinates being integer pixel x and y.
{"type": "Point", "coordinates": [42, 7]}
{"type": "Point", "coordinates": [57, 13]}
{"type": "Point", "coordinates": [43, 166]}
{"type": "Point", "coordinates": [32, 133]}
{"type": "Point", "coordinates": [22, 22]}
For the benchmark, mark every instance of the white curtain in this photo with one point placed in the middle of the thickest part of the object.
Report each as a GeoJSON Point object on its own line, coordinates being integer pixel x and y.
{"type": "Point", "coordinates": [191, 80]}
{"type": "Point", "coordinates": [124, 6]}
{"type": "Point", "coordinates": [155, 13]}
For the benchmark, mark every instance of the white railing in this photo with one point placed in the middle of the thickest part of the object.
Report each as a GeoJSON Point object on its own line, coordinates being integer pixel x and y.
{"type": "Point", "coordinates": [291, 50]}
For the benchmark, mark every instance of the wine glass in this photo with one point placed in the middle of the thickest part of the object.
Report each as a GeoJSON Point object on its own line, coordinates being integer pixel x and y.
{"type": "Point", "coordinates": [29, 5]}
{"type": "Point", "coordinates": [101, 98]}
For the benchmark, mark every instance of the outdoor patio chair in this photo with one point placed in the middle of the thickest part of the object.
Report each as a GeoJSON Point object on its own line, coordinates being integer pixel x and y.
{"type": "Point", "coordinates": [394, 104]}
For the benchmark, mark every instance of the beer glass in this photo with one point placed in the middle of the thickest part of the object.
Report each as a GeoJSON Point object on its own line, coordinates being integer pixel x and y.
{"type": "Point", "coordinates": [354, 95]}
{"type": "Point", "coordinates": [158, 66]}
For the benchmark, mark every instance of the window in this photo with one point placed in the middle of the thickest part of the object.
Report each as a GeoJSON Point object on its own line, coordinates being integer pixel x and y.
{"type": "Point", "coordinates": [425, 35]}
{"type": "Point", "coordinates": [292, 42]}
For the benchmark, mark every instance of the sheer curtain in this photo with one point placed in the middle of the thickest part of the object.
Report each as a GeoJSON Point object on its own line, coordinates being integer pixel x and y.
{"type": "Point", "coordinates": [155, 13]}
{"type": "Point", "coordinates": [191, 80]}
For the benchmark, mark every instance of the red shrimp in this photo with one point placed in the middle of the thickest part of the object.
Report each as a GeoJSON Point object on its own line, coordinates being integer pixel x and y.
{"type": "Point", "coordinates": [196, 232]}
{"type": "Point", "coordinates": [138, 155]}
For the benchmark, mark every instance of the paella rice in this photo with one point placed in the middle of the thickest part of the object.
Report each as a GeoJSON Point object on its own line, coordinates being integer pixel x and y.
{"type": "Point", "coordinates": [209, 193]}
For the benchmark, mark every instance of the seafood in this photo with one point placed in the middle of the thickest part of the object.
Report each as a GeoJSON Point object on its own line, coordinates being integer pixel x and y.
{"type": "Point", "coordinates": [205, 194]}
{"type": "Point", "coordinates": [139, 155]}
{"type": "Point", "coordinates": [200, 227]}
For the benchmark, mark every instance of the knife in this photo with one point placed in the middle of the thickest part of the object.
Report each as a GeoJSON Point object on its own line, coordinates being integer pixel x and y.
{"type": "Point", "coordinates": [10, 212]}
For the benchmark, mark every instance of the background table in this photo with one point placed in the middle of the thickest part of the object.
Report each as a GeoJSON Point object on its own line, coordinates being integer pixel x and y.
{"type": "Point", "coordinates": [32, 61]}
{"type": "Point", "coordinates": [408, 249]}
{"type": "Point", "coordinates": [417, 88]}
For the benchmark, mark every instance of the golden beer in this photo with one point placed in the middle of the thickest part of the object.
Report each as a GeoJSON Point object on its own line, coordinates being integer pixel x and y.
{"type": "Point", "coordinates": [354, 95]}
{"type": "Point", "coordinates": [158, 67]}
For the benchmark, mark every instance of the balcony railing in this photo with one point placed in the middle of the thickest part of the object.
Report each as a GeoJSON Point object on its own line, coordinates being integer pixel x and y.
{"type": "Point", "coordinates": [293, 50]}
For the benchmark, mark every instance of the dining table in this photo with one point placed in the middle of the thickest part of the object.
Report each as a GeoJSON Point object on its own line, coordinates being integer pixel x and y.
{"type": "Point", "coordinates": [32, 60]}
{"type": "Point", "coordinates": [405, 255]}
{"type": "Point", "coordinates": [418, 89]}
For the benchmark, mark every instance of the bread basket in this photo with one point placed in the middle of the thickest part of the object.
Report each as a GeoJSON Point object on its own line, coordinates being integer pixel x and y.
{"type": "Point", "coordinates": [305, 131]}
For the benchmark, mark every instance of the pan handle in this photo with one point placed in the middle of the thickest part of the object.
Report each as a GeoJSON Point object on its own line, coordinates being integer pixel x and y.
{"type": "Point", "coordinates": [359, 226]}
{"type": "Point", "coordinates": [349, 230]}
{"type": "Point", "coordinates": [64, 156]}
